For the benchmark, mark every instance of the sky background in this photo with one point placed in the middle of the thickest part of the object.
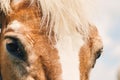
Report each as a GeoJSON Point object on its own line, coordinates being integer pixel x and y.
{"type": "Point", "coordinates": [108, 22]}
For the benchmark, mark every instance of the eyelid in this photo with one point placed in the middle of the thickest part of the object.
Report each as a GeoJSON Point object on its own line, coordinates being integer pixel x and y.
{"type": "Point", "coordinates": [101, 50]}
{"type": "Point", "coordinates": [10, 37]}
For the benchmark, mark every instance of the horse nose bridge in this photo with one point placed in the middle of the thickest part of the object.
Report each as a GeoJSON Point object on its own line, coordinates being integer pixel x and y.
{"type": "Point", "coordinates": [44, 57]}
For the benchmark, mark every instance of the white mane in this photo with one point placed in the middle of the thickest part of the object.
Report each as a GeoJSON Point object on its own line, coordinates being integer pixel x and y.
{"type": "Point", "coordinates": [65, 16]}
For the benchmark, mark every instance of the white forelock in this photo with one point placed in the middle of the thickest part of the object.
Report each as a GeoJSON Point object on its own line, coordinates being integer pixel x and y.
{"type": "Point", "coordinates": [65, 16]}
{"type": "Point", "coordinates": [5, 6]}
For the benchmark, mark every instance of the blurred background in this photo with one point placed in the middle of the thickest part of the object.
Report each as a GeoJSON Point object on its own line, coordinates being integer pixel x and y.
{"type": "Point", "coordinates": [108, 23]}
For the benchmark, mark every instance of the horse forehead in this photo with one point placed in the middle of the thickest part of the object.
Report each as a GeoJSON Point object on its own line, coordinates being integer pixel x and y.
{"type": "Point", "coordinates": [19, 26]}
{"type": "Point", "coordinates": [15, 25]}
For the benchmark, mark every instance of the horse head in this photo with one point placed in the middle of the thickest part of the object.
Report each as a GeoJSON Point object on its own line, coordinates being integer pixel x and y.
{"type": "Point", "coordinates": [47, 40]}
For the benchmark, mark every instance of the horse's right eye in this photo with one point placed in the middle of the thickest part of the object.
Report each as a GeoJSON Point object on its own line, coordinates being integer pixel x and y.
{"type": "Point", "coordinates": [15, 48]}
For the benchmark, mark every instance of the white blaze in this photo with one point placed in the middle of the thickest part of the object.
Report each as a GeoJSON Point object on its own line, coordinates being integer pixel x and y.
{"type": "Point", "coordinates": [69, 49]}
{"type": "Point", "coordinates": [15, 25]}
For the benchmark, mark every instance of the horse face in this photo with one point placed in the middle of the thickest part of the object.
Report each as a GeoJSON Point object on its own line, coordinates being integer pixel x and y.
{"type": "Point", "coordinates": [90, 52]}
{"type": "Point", "coordinates": [27, 52]}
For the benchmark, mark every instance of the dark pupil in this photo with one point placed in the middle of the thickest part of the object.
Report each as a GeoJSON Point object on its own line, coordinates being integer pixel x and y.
{"type": "Point", "coordinates": [16, 49]}
{"type": "Point", "coordinates": [13, 47]}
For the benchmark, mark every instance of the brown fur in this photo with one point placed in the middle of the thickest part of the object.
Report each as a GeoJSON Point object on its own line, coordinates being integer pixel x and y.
{"type": "Point", "coordinates": [47, 55]}
{"type": "Point", "coordinates": [46, 65]}
{"type": "Point", "coordinates": [89, 51]}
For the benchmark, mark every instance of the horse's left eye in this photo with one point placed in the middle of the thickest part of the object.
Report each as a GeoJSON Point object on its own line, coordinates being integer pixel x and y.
{"type": "Point", "coordinates": [15, 48]}
{"type": "Point", "coordinates": [98, 53]}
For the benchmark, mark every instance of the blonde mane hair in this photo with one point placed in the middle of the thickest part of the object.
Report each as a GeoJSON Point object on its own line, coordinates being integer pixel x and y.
{"type": "Point", "coordinates": [64, 17]}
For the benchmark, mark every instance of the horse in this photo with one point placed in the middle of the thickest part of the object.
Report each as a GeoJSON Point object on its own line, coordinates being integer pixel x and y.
{"type": "Point", "coordinates": [47, 40]}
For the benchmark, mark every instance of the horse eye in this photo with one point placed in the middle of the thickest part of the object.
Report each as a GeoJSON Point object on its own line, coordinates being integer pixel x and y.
{"type": "Point", "coordinates": [15, 48]}
{"type": "Point", "coordinates": [98, 54]}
